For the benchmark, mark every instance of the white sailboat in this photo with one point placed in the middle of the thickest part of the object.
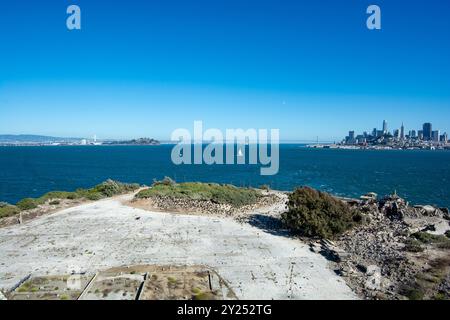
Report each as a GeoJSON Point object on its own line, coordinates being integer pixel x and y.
{"type": "Point", "coordinates": [240, 154]}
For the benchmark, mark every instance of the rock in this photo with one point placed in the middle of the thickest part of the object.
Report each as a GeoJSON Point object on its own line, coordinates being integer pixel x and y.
{"type": "Point", "coordinates": [361, 268]}
{"type": "Point", "coordinates": [373, 281]}
{"type": "Point", "coordinates": [376, 251]}
{"type": "Point", "coordinates": [428, 210]}
{"type": "Point", "coordinates": [430, 227]}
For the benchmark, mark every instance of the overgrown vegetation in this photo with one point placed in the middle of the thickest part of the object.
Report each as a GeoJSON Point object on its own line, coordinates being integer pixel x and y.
{"type": "Point", "coordinates": [439, 241]}
{"type": "Point", "coordinates": [106, 189]}
{"type": "Point", "coordinates": [413, 245]}
{"type": "Point", "coordinates": [429, 284]}
{"type": "Point", "coordinates": [7, 210]}
{"type": "Point", "coordinates": [216, 193]}
{"type": "Point", "coordinates": [314, 213]}
{"type": "Point", "coordinates": [28, 204]}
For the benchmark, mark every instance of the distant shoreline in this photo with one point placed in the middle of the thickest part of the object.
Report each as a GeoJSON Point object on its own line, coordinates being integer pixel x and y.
{"type": "Point", "coordinates": [376, 148]}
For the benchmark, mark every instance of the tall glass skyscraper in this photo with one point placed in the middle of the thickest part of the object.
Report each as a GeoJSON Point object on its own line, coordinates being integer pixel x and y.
{"type": "Point", "coordinates": [427, 131]}
{"type": "Point", "coordinates": [385, 127]}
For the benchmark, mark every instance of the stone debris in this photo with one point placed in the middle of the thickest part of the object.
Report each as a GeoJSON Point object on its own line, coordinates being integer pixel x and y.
{"type": "Point", "coordinates": [372, 256]}
{"type": "Point", "coordinates": [190, 206]}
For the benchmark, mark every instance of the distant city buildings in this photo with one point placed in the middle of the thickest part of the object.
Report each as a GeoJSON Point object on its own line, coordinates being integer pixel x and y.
{"type": "Point", "coordinates": [427, 138]}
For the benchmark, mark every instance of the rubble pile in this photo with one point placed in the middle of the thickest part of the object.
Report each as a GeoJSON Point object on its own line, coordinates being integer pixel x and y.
{"type": "Point", "coordinates": [167, 203]}
{"type": "Point", "coordinates": [373, 257]}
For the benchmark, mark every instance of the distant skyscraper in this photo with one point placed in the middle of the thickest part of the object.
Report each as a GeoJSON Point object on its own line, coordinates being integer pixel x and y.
{"type": "Point", "coordinates": [396, 133]}
{"type": "Point", "coordinates": [420, 134]}
{"type": "Point", "coordinates": [402, 132]}
{"type": "Point", "coordinates": [385, 127]}
{"type": "Point", "coordinates": [427, 131]}
{"type": "Point", "coordinates": [413, 134]}
{"type": "Point", "coordinates": [350, 139]}
{"type": "Point", "coordinates": [435, 135]}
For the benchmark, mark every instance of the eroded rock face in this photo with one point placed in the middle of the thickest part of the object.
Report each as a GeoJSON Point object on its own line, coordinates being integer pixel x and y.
{"type": "Point", "coordinates": [189, 206]}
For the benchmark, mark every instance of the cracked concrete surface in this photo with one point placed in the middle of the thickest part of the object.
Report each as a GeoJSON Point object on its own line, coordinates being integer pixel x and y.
{"type": "Point", "coordinates": [107, 233]}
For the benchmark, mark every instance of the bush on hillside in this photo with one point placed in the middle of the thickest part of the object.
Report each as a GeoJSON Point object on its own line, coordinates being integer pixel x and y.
{"type": "Point", "coordinates": [314, 213]}
{"type": "Point", "coordinates": [440, 241]}
{"type": "Point", "coordinates": [167, 181]}
{"type": "Point", "coordinates": [27, 204]}
{"type": "Point", "coordinates": [7, 210]}
{"type": "Point", "coordinates": [106, 189]}
{"type": "Point", "coordinates": [60, 195]}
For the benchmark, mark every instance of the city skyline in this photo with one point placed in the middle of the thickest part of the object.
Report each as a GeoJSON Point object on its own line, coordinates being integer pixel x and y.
{"type": "Point", "coordinates": [425, 134]}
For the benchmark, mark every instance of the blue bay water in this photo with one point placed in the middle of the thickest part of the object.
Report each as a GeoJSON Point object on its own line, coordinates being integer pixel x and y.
{"type": "Point", "coordinates": [422, 177]}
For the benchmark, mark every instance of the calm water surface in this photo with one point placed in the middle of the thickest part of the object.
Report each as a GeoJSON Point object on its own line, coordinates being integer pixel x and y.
{"type": "Point", "coordinates": [419, 176]}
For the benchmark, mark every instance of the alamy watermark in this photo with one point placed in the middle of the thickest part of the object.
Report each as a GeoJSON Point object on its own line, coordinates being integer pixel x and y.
{"type": "Point", "coordinates": [73, 21]}
{"type": "Point", "coordinates": [374, 20]}
{"type": "Point", "coordinates": [236, 146]}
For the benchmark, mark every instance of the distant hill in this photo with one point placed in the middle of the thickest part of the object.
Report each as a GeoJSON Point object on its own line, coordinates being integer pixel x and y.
{"type": "Point", "coordinates": [29, 138]}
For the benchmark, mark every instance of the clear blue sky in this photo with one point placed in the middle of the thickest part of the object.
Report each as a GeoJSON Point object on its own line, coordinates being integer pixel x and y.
{"type": "Point", "coordinates": [144, 68]}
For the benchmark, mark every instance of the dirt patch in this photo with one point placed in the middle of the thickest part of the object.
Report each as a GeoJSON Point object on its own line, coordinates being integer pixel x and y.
{"type": "Point", "coordinates": [145, 282]}
{"type": "Point", "coordinates": [67, 287]}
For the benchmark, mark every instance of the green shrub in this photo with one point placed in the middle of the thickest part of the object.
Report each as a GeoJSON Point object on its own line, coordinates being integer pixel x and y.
{"type": "Point", "coordinates": [216, 193]}
{"type": "Point", "coordinates": [73, 196]}
{"type": "Point", "coordinates": [55, 202]}
{"type": "Point", "coordinates": [58, 195]}
{"type": "Point", "coordinates": [203, 296]}
{"type": "Point", "coordinates": [428, 238]}
{"type": "Point", "coordinates": [8, 211]}
{"type": "Point", "coordinates": [415, 294]}
{"type": "Point", "coordinates": [314, 213]}
{"type": "Point", "coordinates": [167, 181]}
{"type": "Point", "coordinates": [27, 204]}
{"type": "Point", "coordinates": [94, 196]}
{"type": "Point", "coordinates": [111, 188]}
{"type": "Point", "coordinates": [106, 189]}
{"type": "Point", "coordinates": [413, 245]}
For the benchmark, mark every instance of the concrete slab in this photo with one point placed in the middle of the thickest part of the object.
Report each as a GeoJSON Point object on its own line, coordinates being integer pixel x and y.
{"type": "Point", "coordinates": [105, 234]}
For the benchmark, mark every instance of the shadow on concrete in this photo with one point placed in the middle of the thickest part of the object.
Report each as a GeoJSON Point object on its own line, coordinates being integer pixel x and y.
{"type": "Point", "coordinates": [269, 224]}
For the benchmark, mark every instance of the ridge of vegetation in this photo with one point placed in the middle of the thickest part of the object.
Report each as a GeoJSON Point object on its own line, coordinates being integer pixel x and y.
{"type": "Point", "coordinates": [105, 189]}
{"type": "Point", "coordinates": [213, 192]}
